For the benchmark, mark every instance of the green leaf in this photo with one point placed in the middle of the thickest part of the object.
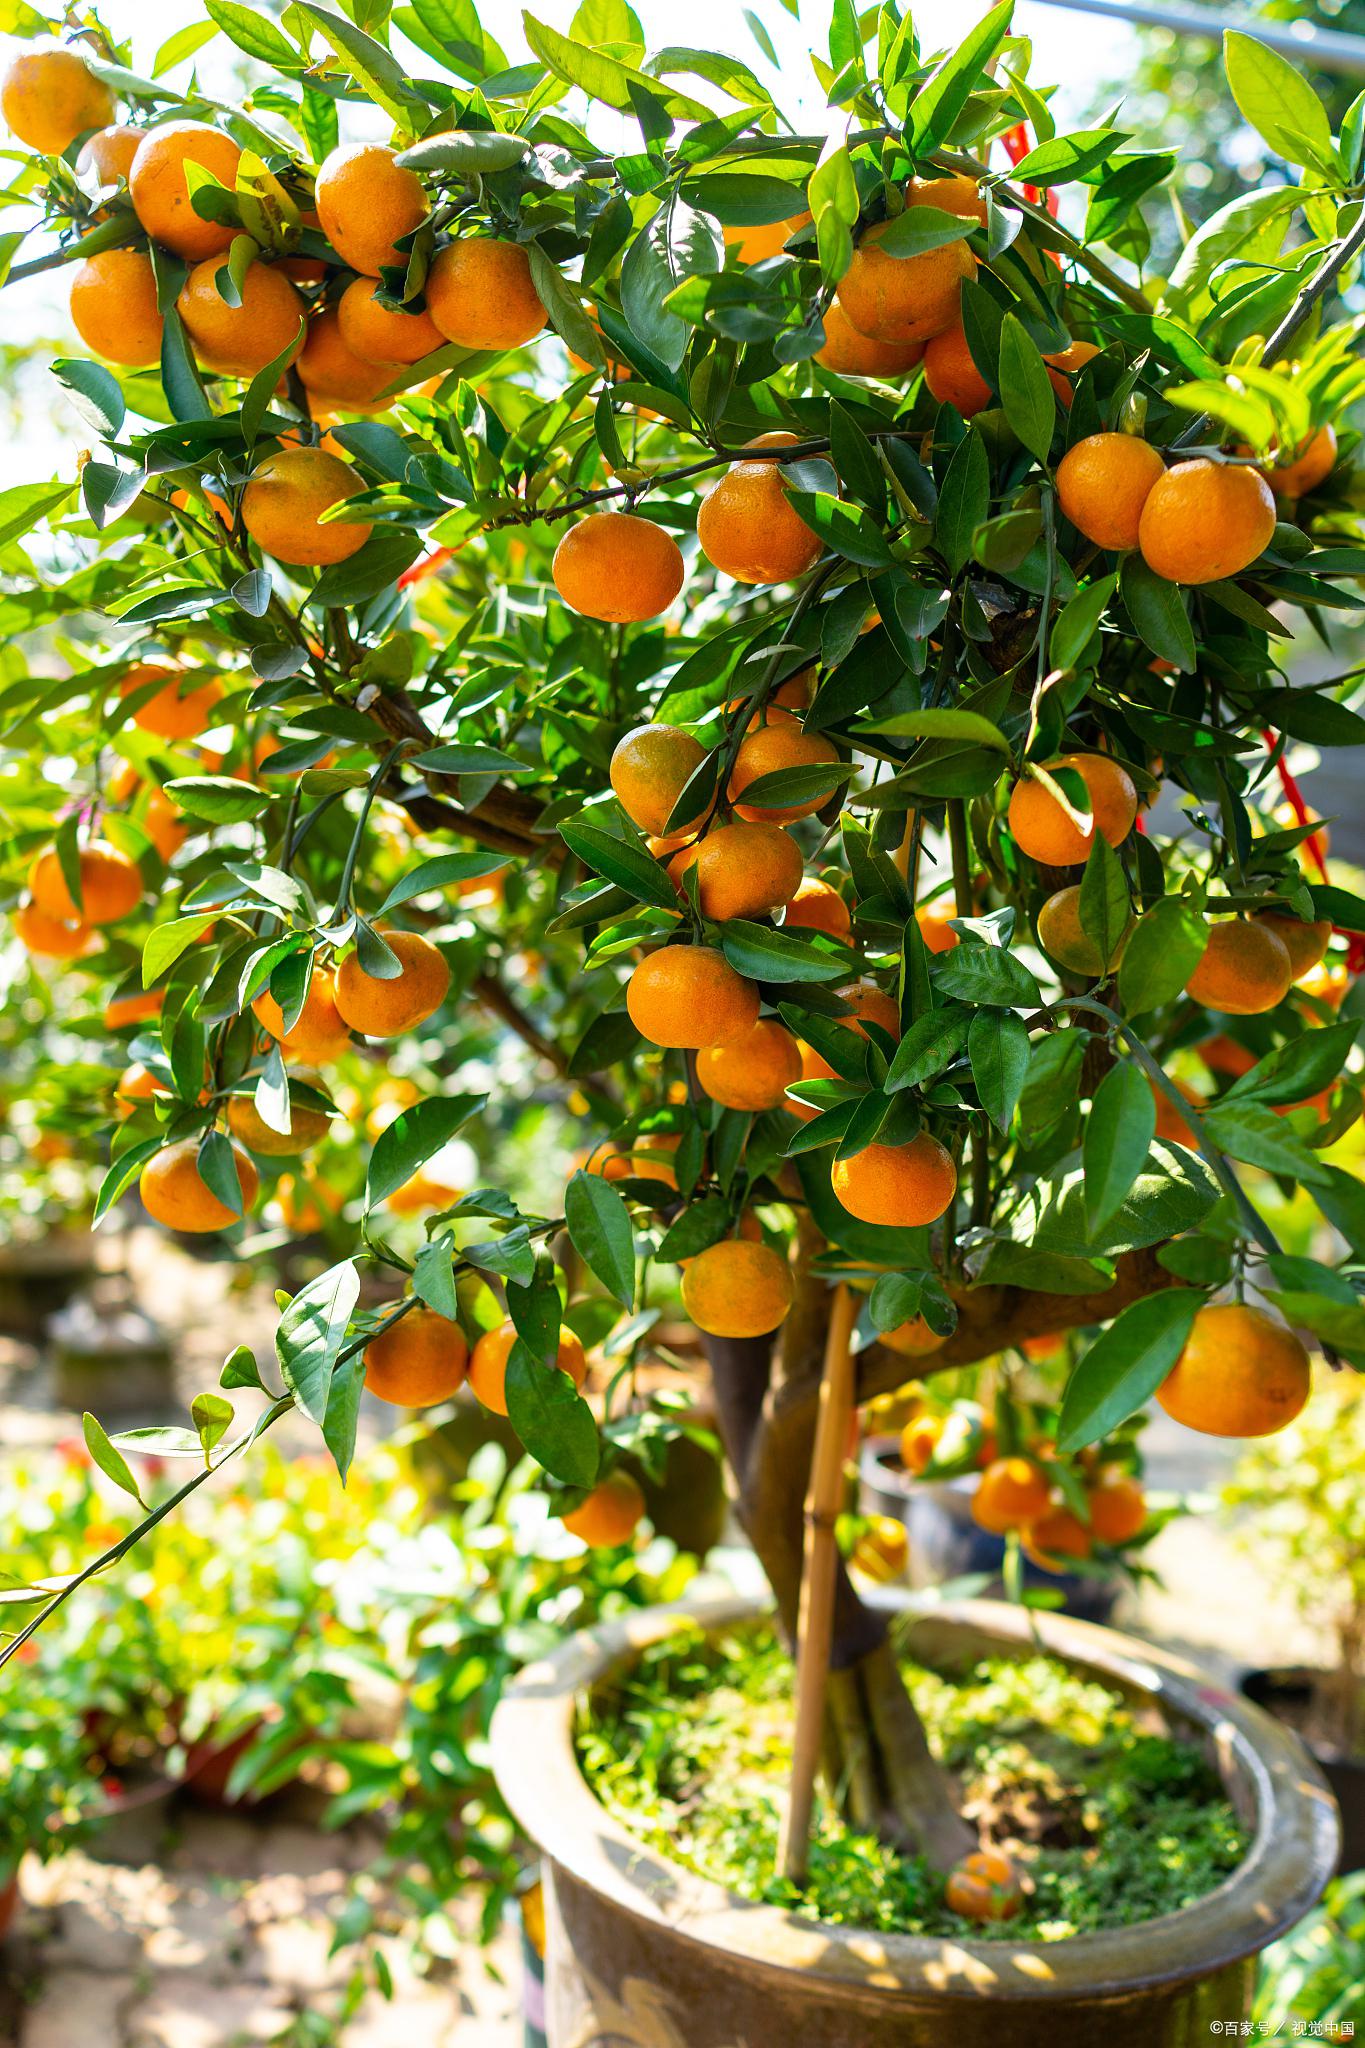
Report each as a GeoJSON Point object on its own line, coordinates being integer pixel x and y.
{"type": "Point", "coordinates": [261, 391]}
{"type": "Point", "coordinates": [602, 76]}
{"type": "Point", "coordinates": [342, 1416]}
{"type": "Point", "coordinates": [1118, 1136]}
{"type": "Point", "coordinates": [255, 33]}
{"type": "Point", "coordinates": [963, 502]}
{"type": "Point", "coordinates": [923, 227]}
{"type": "Point", "coordinates": [433, 1277]}
{"type": "Point", "coordinates": [600, 1229]}
{"type": "Point", "coordinates": [241, 1370]}
{"type": "Point", "coordinates": [1158, 612]}
{"type": "Point", "coordinates": [833, 195]}
{"type": "Point", "coordinates": [466, 149]}
{"type": "Point", "coordinates": [627, 862]}
{"type": "Point", "coordinates": [166, 942]}
{"type": "Point", "coordinates": [551, 1418]}
{"type": "Point", "coordinates": [788, 786]}
{"type": "Point", "coordinates": [984, 974]}
{"type": "Point", "coordinates": [1164, 948]}
{"type": "Point", "coordinates": [113, 1465]}
{"type": "Point", "coordinates": [929, 1045]}
{"type": "Point", "coordinates": [440, 873]}
{"type": "Point", "coordinates": [1104, 908]}
{"type": "Point", "coordinates": [1310, 715]}
{"type": "Point", "coordinates": [999, 1050]}
{"type": "Point", "coordinates": [1124, 1367]}
{"type": "Point", "coordinates": [1303, 1067]}
{"type": "Point", "coordinates": [470, 759]}
{"type": "Point", "coordinates": [1276, 98]}
{"type": "Point", "coordinates": [312, 1331]}
{"type": "Point", "coordinates": [939, 102]}
{"type": "Point", "coordinates": [843, 527]}
{"type": "Point", "coordinates": [375, 70]}
{"type": "Point", "coordinates": [1078, 620]}
{"type": "Point", "coordinates": [1065, 157]}
{"type": "Point", "coordinates": [212, 1417]}
{"type": "Point", "coordinates": [1254, 1134]}
{"type": "Point", "coordinates": [941, 725]}
{"type": "Point", "coordinates": [764, 955]}
{"type": "Point", "coordinates": [180, 379]}
{"type": "Point", "coordinates": [412, 1138]}
{"type": "Point", "coordinates": [369, 570]}
{"type": "Point", "coordinates": [96, 392]}
{"type": "Point", "coordinates": [221, 799]}
{"type": "Point", "coordinates": [1029, 402]}
{"type": "Point", "coordinates": [1174, 1192]}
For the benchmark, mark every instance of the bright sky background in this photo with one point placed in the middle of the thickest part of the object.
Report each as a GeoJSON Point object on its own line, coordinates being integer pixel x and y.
{"type": "Point", "coordinates": [1075, 52]}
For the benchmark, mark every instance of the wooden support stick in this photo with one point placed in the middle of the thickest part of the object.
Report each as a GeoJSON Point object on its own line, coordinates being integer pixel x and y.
{"type": "Point", "coordinates": [816, 1620]}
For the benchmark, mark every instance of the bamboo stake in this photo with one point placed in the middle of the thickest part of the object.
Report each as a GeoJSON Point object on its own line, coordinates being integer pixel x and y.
{"type": "Point", "coordinates": [816, 1621]}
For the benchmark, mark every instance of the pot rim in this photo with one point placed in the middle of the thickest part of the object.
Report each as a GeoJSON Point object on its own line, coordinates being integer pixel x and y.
{"type": "Point", "coordinates": [1292, 1854]}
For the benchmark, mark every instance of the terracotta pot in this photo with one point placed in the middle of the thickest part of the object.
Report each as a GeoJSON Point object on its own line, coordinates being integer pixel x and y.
{"type": "Point", "coordinates": [644, 1954]}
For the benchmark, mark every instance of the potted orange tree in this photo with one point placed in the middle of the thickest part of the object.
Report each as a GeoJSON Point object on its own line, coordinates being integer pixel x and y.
{"type": "Point", "coordinates": [759, 715]}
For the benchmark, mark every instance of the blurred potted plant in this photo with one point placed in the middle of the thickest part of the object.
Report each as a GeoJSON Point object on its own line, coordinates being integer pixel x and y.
{"type": "Point", "coordinates": [1304, 1491]}
{"type": "Point", "coordinates": [49, 1794]}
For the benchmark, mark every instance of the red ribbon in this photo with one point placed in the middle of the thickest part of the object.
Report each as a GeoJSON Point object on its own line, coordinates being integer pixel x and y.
{"type": "Point", "coordinates": [1017, 146]}
{"type": "Point", "coordinates": [428, 566]}
{"type": "Point", "coordinates": [1355, 941]}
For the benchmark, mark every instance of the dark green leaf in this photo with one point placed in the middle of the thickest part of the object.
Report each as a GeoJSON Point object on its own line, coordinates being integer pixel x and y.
{"type": "Point", "coordinates": [929, 1045]}
{"type": "Point", "coordinates": [111, 1462]}
{"type": "Point", "coordinates": [998, 1047]}
{"type": "Point", "coordinates": [1164, 948]}
{"type": "Point", "coordinates": [411, 1139]}
{"type": "Point", "coordinates": [600, 1229]}
{"type": "Point", "coordinates": [1158, 612]}
{"type": "Point", "coordinates": [1124, 1367]}
{"type": "Point", "coordinates": [551, 1418]}
{"type": "Point", "coordinates": [311, 1333]}
{"type": "Point", "coordinates": [1118, 1136]}
{"type": "Point", "coordinates": [984, 974]}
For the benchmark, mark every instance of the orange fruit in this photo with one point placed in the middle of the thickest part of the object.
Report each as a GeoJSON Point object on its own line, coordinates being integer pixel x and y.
{"type": "Point", "coordinates": [285, 499]}
{"type": "Point", "coordinates": [1307, 468]}
{"type": "Point", "coordinates": [956, 193]}
{"type": "Point", "coordinates": [160, 191]}
{"type": "Point", "coordinates": [1223, 1055]}
{"type": "Point", "coordinates": [488, 1363]}
{"type": "Point", "coordinates": [114, 309]}
{"type": "Point", "coordinates": [900, 1185]}
{"type": "Point", "coordinates": [1061, 936]}
{"type": "Point", "coordinates": [737, 1289]}
{"type": "Point", "coordinates": [610, 1515]}
{"type": "Point", "coordinates": [913, 1339]}
{"type": "Point", "coordinates": [652, 1158]}
{"type": "Point", "coordinates": [49, 97]}
{"type": "Point", "coordinates": [50, 938]}
{"type": "Point", "coordinates": [1305, 942]}
{"type": "Point", "coordinates": [237, 341]}
{"type": "Point", "coordinates": [175, 1193]}
{"type": "Point", "coordinates": [869, 1005]}
{"type": "Point", "coordinates": [1327, 983]}
{"type": "Point", "coordinates": [306, 1126]}
{"type": "Point", "coordinates": [332, 370]}
{"type": "Point", "coordinates": [742, 870]}
{"type": "Point", "coordinates": [770, 238]}
{"type": "Point", "coordinates": [883, 1550]}
{"type": "Point", "coordinates": [320, 1032]}
{"type": "Point", "coordinates": [1056, 1537]}
{"type": "Point", "coordinates": [1241, 1373]}
{"type": "Point", "coordinates": [133, 1008]}
{"type": "Point", "coordinates": [747, 527]}
{"type": "Point", "coordinates": [935, 926]}
{"type": "Point", "coordinates": [376, 334]}
{"type": "Point", "coordinates": [1064, 364]}
{"type": "Point", "coordinates": [850, 354]}
{"type": "Point", "coordinates": [384, 1009]}
{"type": "Point", "coordinates": [109, 153]}
{"type": "Point", "coordinates": [616, 567]}
{"type": "Point", "coordinates": [766, 752]}
{"type": "Point", "coordinates": [177, 712]}
{"type": "Point", "coordinates": [1170, 1124]}
{"type": "Point", "coordinates": [365, 202]}
{"type": "Point", "coordinates": [1246, 969]}
{"type": "Point", "coordinates": [984, 1886]}
{"type": "Point", "coordinates": [1204, 521]}
{"type": "Point", "coordinates": [480, 294]}
{"type": "Point", "coordinates": [690, 996]}
{"type": "Point", "coordinates": [418, 1360]}
{"type": "Point", "coordinates": [818, 907]}
{"type": "Point", "coordinates": [1103, 482]}
{"type": "Point", "coordinates": [422, 1193]}
{"type": "Point", "coordinates": [1009, 1493]}
{"type": "Point", "coordinates": [1117, 1507]}
{"type": "Point", "coordinates": [136, 1085]}
{"type": "Point", "coordinates": [951, 374]}
{"type": "Point", "coordinates": [919, 1442]}
{"type": "Point", "coordinates": [813, 1068]}
{"type": "Point", "coordinates": [111, 887]}
{"type": "Point", "coordinates": [1042, 828]}
{"type": "Point", "coordinates": [753, 1072]}
{"type": "Point", "coordinates": [903, 298]}
{"type": "Point", "coordinates": [163, 824]}
{"type": "Point", "coordinates": [650, 768]}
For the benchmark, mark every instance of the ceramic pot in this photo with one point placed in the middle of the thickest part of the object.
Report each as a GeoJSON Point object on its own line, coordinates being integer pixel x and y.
{"type": "Point", "coordinates": [1288, 1692]}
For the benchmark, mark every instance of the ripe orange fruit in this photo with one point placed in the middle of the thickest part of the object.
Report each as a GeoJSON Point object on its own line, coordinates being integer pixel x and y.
{"type": "Point", "coordinates": [753, 1072]}
{"type": "Point", "coordinates": [114, 309]}
{"type": "Point", "coordinates": [1042, 828]}
{"type": "Point", "coordinates": [421, 1194]}
{"type": "Point", "coordinates": [770, 238]}
{"type": "Point", "coordinates": [1241, 1373]}
{"type": "Point", "coordinates": [109, 153]}
{"type": "Point", "coordinates": [1009, 1493]}
{"type": "Point", "coordinates": [956, 193]}
{"type": "Point", "coordinates": [1305, 942]}
{"type": "Point", "coordinates": [652, 1158]}
{"type": "Point", "coordinates": [1307, 468]}
{"type": "Point", "coordinates": [869, 1005]}
{"type": "Point", "coordinates": [1170, 1124]}
{"type": "Point", "coordinates": [766, 752]}
{"type": "Point", "coordinates": [418, 1360]}
{"type": "Point", "coordinates": [610, 1515]}
{"type": "Point", "coordinates": [851, 354]}
{"type": "Point", "coordinates": [237, 341]}
{"type": "Point", "coordinates": [111, 887]}
{"type": "Point", "coordinates": [1061, 935]}
{"type": "Point", "coordinates": [952, 375]}
{"type": "Point", "coordinates": [818, 907]}
{"type": "Point", "coordinates": [320, 1032]}
{"type": "Point", "coordinates": [900, 1185]}
{"type": "Point", "coordinates": [616, 567]}
{"type": "Point", "coordinates": [488, 1363]}
{"type": "Point", "coordinates": [1327, 983]}
{"type": "Point", "coordinates": [50, 938]}
{"type": "Point", "coordinates": [49, 97]}
{"type": "Point", "coordinates": [334, 373]}
{"type": "Point", "coordinates": [307, 1126]}
{"type": "Point", "coordinates": [133, 1008]}
{"type": "Point", "coordinates": [177, 712]}
{"type": "Point", "coordinates": [365, 202]}
{"type": "Point", "coordinates": [1103, 482]}
{"type": "Point", "coordinates": [1063, 365]}
{"type": "Point", "coordinates": [1056, 1537]}
{"type": "Point", "coordinates": [376, 334]}
{"type": "Point", "coordinates": [903, 298]}
{"type": "Point", "coordinates": [1204, 521]}
{"type": "Point", "coordinates": [742, 870]}
{"type": "Point", "coordinates": [160, 191]}
{"type": "Point", "coordinates": [747, 527]}
{"type": "Point", "coordinates": [935, 926]}
{"type": "Point", "coordinates": [813, 1068]}
{"type": "Point", "coordinates": [1117, 1507]}
{"type": "Point", "coordinates": [650, 768]}
{"type": "Point", "coordinates": [690, 996]}
{"type": "Point", "coordinates": [919, 1442]}
{"type": "Point", "coordinates": [1223, 1055]}
{"type": "Point", "coordinates": [984, 1886]}
{"type": "Point", "coordinates": [285, 499]}
{"type": "Point", "coordinates": [913, 1339]}
{"type": "Point", "coordinates": [883, 1550]}
{"type": "Point", "coordinates": [1246, 969]}
{"type": "Point", "coordinates": [174, 1192]}
{"type": "Point", "coordinates": [737, 1289]}
{"type": "Point", "coordinates": [136, 1085]}
{"type": "Point", "coordinates": [384, 1009]}
{"type": "Point", "coordinates": [163, 824]}
{"type": "Point", "coordinates": [480, 294]}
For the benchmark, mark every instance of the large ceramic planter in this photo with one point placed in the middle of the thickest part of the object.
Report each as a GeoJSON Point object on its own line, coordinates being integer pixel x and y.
{"type": "Point", "coordinates": [1288, 1694]}
{"type": "Point", "coordinates": [644, 1954]}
